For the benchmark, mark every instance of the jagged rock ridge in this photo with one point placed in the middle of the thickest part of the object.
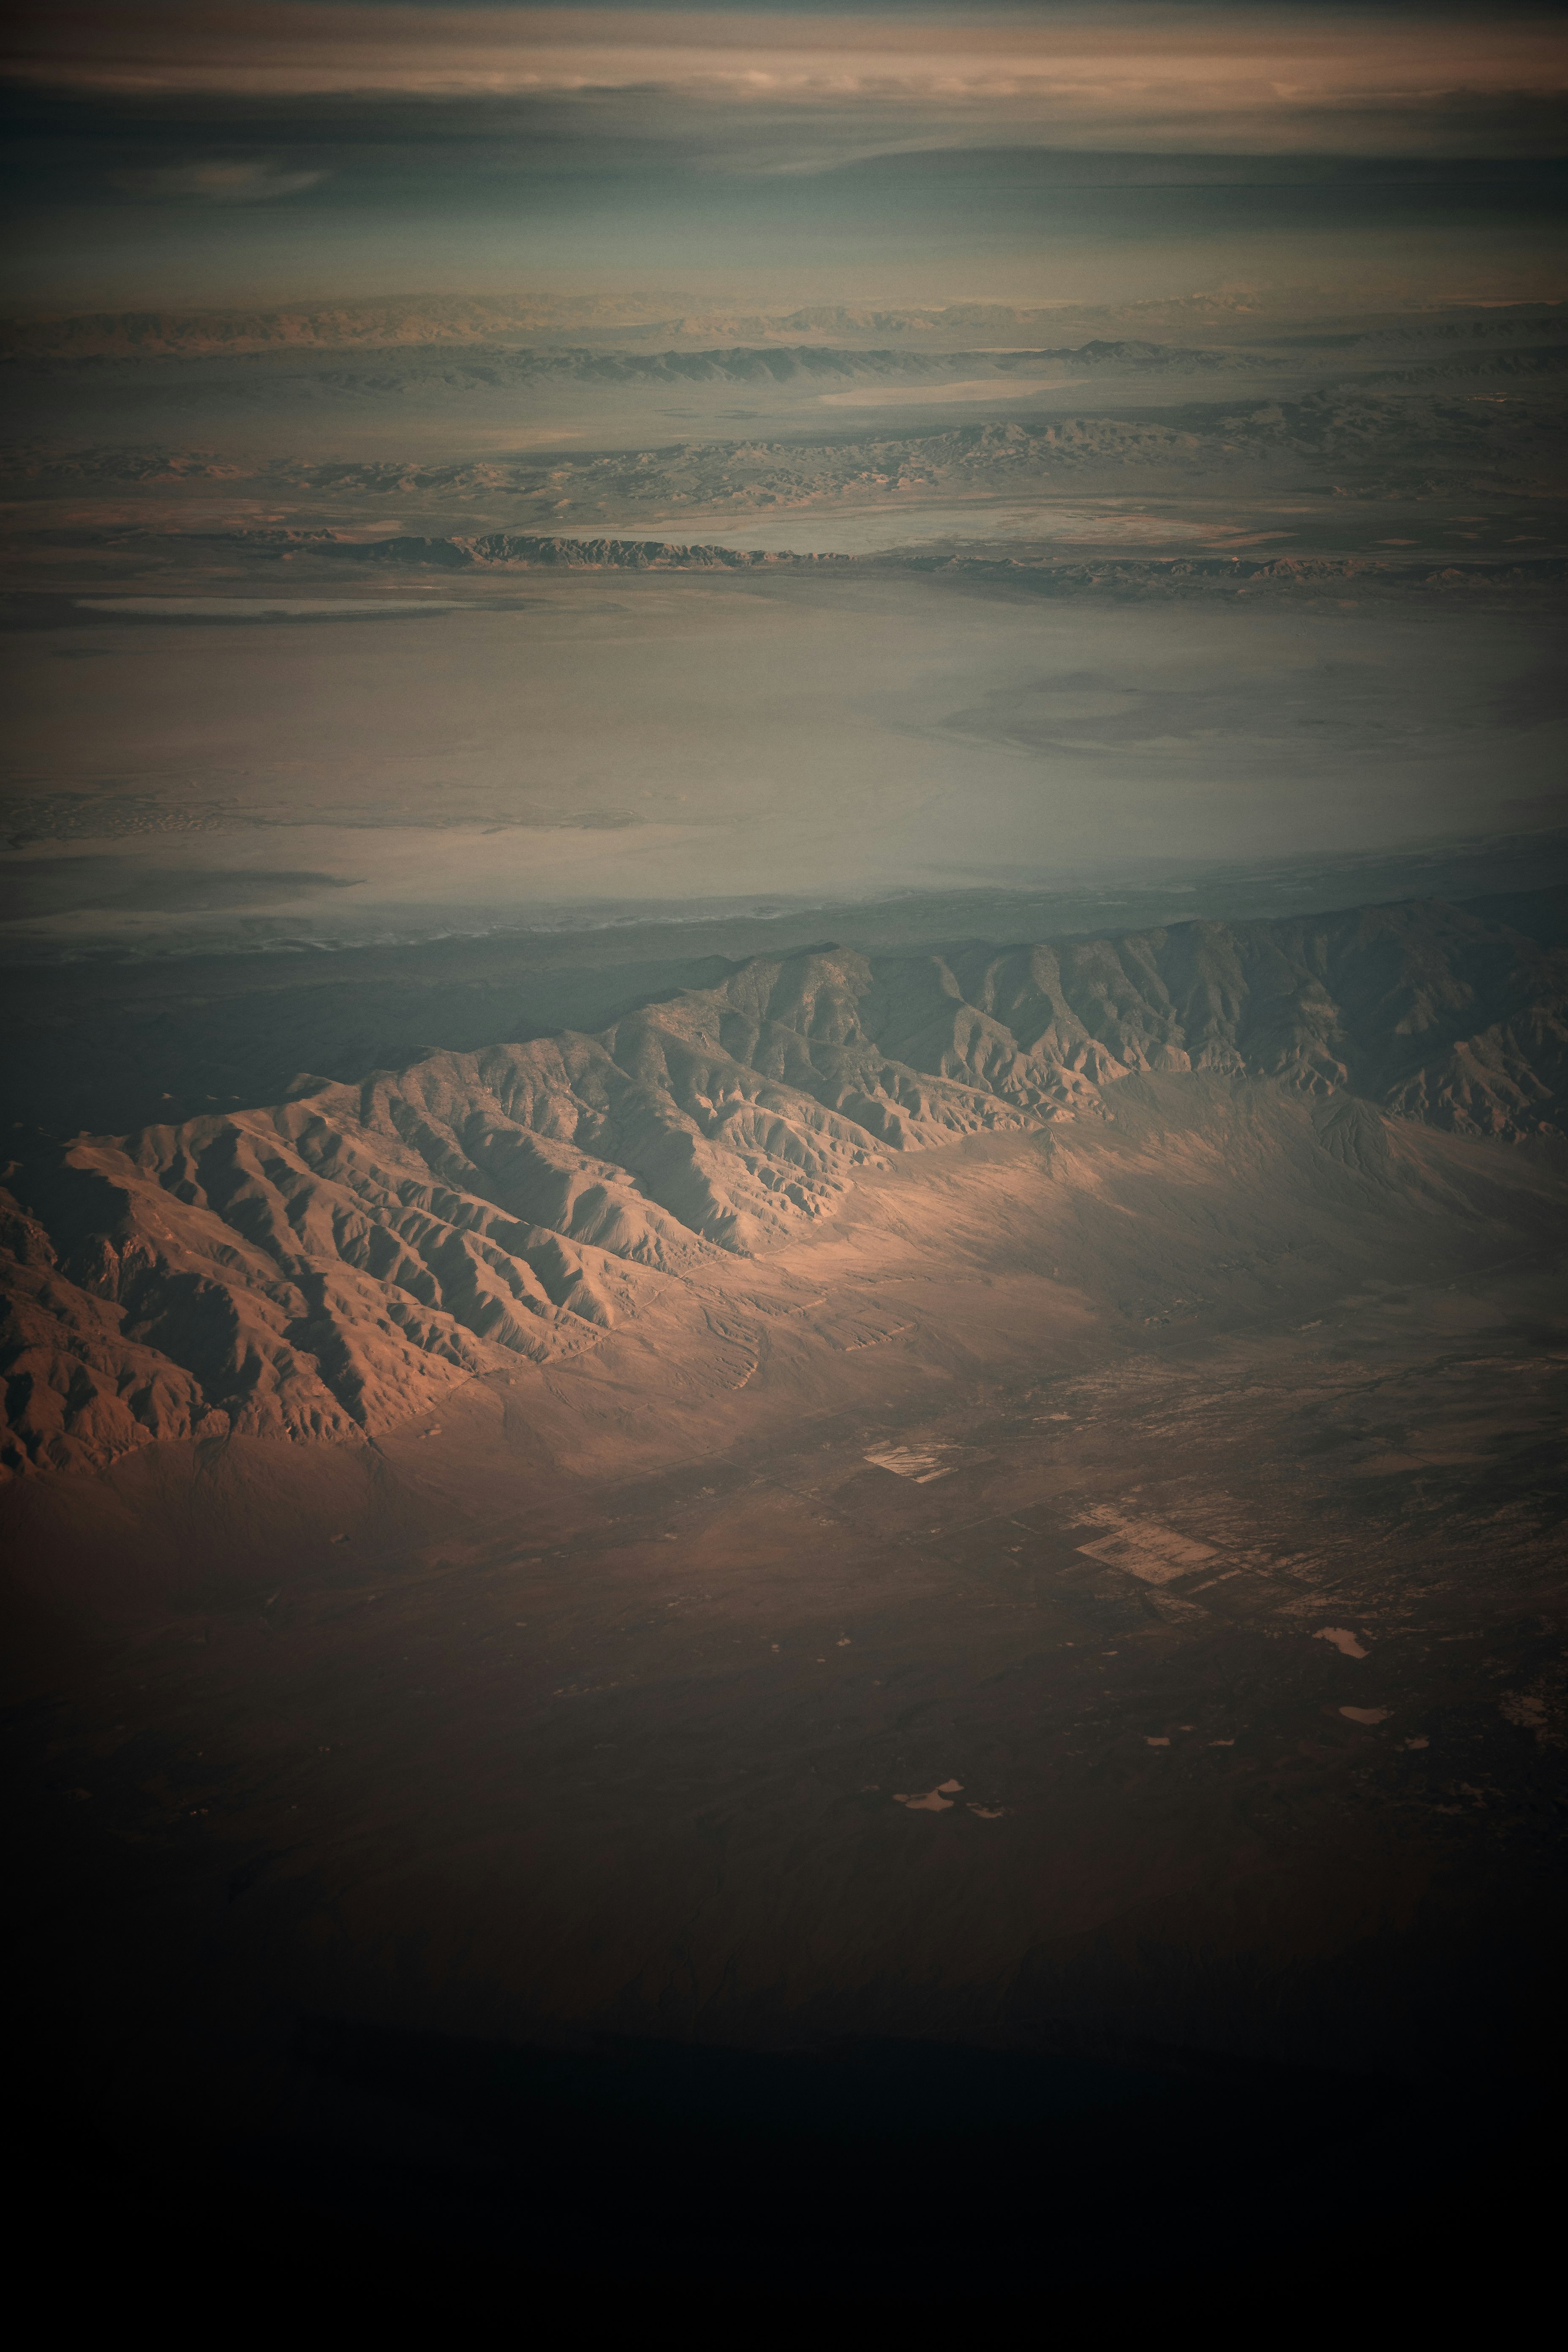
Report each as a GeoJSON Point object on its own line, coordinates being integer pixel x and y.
{"type": "Point", "coordinates": [1331, 436]}
{"type": "Point", "coordinates": [1044, 572]}
{"type": "Point", "coordinates": [332, 1264]}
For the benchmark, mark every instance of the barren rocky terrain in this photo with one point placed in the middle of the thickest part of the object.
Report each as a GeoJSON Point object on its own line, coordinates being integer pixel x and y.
{"type": "Point", "coordinates": [336, 1264]}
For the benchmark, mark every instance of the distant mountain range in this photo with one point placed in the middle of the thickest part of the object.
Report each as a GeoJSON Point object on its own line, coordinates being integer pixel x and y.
{"type": "Point", "coordinates": [333, 1263]}
{"type": "Point", "coordinates": [413, 320]}
{"type": "Point", "coordinates": [483, 319]}
{"type": "Point", "coordinates": [1344, 437]}
{"type": "Point", "coordinates": [1047, 570]}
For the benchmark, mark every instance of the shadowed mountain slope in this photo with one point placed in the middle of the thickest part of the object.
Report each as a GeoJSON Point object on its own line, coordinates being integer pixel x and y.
{"type": "Point", "coordinates": [336, 1262]}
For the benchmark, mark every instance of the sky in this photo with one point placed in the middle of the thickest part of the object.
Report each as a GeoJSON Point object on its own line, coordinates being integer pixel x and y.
{"type": "Point", "coordinates": [235, 151]}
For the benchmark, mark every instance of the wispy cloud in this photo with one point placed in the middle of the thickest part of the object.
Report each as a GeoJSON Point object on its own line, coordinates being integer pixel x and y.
{"type": "Point", "coordinates": [1195, 77]}
{"type": "Point", "coordinates": [216, 180]}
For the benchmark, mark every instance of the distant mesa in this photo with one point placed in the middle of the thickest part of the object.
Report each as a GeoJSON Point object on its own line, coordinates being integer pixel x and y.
{"type": "Point", "coordinates": [334, 1264]}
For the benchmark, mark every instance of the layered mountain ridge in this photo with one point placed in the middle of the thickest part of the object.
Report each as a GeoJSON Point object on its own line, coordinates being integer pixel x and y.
{"type": "Point", "coordinates": [1042, 571]}
{"type": "Point", "coordinates": [334, 1264]}
{"type": "Point", "coordinates": [436, 319]}
{"type": "Point", "coordinates": [1339, 433]}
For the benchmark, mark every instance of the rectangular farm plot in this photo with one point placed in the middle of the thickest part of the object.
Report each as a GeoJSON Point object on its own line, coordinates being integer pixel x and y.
{"type": "Point", "coordinates": [1156, 1554]}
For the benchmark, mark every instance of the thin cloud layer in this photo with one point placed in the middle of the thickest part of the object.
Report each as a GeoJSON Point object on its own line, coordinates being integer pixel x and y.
{"type": "Point", "coordinates": [177, 149]}
{"type": "Point", "coordinates": [1206, 80]}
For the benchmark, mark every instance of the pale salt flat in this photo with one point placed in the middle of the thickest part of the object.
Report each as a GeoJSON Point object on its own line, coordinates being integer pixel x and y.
{"type": "Point", "coordinates": [1367, 1714]}
{"type": "Point", "coordinates": [259, 608]}
{"type": "Point", "coordinates": [980, 387]}
{"type": "Point", "coordinates": [913, 522]}
{"type": "Point", "coordinates": [1342, 1639]}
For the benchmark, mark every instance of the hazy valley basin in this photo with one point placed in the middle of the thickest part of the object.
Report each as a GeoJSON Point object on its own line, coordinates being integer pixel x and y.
{"type": "Point", "coordinates": [594, 739]}
{"type": "Point", "coordinates": [784, 916]}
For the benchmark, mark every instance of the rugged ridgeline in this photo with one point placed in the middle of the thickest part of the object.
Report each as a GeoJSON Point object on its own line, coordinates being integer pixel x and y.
{"type": "Point", "coordinates": [311, 555]}
{"type": "Point", "coordinates": [1346, 436]}
{"type": "Point", "coordinates": [504, 551]}
{"type": "Point", "coordinates": [332, 1264]}
{"type": "Point", "coordinates": [1041, 571]}
{"type": "Point", "coordinates": [446, 320]}
{"type": "Point", "coordinates": [743, 365]}
{"type": "Point", "coordinates": [443, 323]}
